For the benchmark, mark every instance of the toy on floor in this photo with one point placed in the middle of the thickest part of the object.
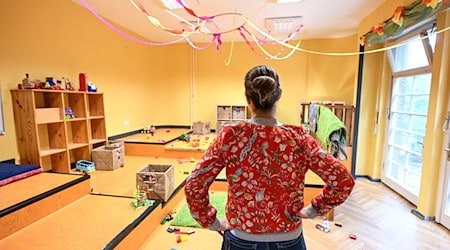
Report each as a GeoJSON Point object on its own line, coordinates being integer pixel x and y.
{"type": "Point", "coordinates": [184, 137]}
{"type": "Point", "coordinates": [182, 238]}
{"type": "Point", "coordinates": [149, 130]}
{"type": "Point", "coordinates": [141, 200]}
{"type": "Point", "coordinates": [323, 226]}
{"type": "Point", "coordinates": [171, 230]}
{"type": "Point", "coordinates": [85, 166]}
{"type": "Point", "coordinates": [168, 217]}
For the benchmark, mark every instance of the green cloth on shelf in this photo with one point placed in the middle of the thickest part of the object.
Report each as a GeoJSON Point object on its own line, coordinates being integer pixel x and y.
{"type": "Point", "coordinates": [183, 217]}
{"type": "Point", "coordinates": [327, 123]}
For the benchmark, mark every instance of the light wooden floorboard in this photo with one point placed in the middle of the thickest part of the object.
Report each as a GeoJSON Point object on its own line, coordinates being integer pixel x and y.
{"type": "Point", "coordinates": [379, 217]}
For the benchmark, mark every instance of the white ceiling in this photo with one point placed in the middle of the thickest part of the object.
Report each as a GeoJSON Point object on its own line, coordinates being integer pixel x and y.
{"type": "Point", "coordinates": [320, 18]}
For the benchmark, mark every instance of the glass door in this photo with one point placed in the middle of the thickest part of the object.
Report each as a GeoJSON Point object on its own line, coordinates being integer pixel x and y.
{"type": "Point", "coordinates": [408, 110]}
{"type": "Point", "coordinates": [407, 124]}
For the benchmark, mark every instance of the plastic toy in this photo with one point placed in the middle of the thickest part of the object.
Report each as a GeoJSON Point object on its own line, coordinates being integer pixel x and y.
{"type": "Point", "coordinates": [168, 217]}
{"type": "Point", "coordinates": [85, 166]}
{"type": "Point", "coordinates": [323, 226]}
{"type": "Point", "coordinates": [69, 113]}
{"type": "Point", "coordinates": [141, 200]}
{"type": "Point", "coordinates": [171, 230]}
{"type": "Point", "coordinates": [91, 87]}
{"type": "Point", "coordinates": [182, 238]}
{"type": "Point", "coordinates": [149, 130]}
{"type": "Point", "coordinates": [184, 137]}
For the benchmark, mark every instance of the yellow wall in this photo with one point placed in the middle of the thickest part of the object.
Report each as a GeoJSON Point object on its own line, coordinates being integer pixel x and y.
{"type": "Point", "coordinates": [152, 85]}
{"type": "Point", "coordinates": [60, 38]}
{"type": "Point", "coordinates": [303, 77]}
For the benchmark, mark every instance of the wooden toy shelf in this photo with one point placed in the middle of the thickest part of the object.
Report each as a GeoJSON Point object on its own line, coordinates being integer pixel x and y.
{"type": "Point", "coordinates": [46, 137]}
{"type": "Point", "coordinates": [227, 114]}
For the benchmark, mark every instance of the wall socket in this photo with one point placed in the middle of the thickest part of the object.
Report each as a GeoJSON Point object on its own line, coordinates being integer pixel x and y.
{"type": "Point", "coordinates": [126, 123]}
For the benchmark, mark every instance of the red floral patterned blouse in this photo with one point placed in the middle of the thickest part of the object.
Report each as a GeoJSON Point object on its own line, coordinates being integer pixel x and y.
{"type": "Point", "coordinates": [265, 170]}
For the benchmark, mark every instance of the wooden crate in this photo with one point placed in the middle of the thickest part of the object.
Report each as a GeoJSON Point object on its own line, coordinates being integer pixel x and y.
{"type": "Point", "coordinates": [109, 157]}
{"type": "Point", "coordinates": [156, 180]}
{"type": "Point", "coordinates": [201, 128]}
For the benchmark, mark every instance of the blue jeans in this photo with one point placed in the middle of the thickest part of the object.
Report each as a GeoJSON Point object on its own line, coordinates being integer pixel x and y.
{"type": "Point", "coordinates": [231, 242]}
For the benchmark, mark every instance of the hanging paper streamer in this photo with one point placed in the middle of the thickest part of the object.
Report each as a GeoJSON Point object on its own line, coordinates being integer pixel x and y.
{"type": "Point", "coordinates": [399, 19]}
{"type": "Point", "coordinates": [134, 39]}
{"type": "Point", "coordinates": [192, 12]}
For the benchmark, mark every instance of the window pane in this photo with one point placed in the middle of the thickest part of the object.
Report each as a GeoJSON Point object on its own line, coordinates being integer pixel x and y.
{"type": "Point", "coordinates": [409, 56]}
{"type": "Point", "coordinates": [422, 84]}
{"type": "Point", "coordinates": [419, 123]}
{"type": "Point", "coordinates": [419, 104]}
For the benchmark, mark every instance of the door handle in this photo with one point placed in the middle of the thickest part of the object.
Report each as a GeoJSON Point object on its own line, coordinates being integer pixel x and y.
{"type": "Point", "coordinates": [447, 149]}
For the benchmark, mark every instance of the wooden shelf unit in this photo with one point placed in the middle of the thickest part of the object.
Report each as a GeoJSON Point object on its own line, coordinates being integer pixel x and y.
{"type": "Point", "coordinates": [227, 114]}
{"type": "Point", "coordinates": [46, 138]}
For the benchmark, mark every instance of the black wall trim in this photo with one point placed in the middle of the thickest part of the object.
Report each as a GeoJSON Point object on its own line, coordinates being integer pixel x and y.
{"type": "Point", "coordinates": [357, 109]}
{"type": "Point", "coordinates": [120, 136]}
{"type": "Point", "coordinates": [172, 126]}
{"type": "Point", "coordinates": [44, 195]}
{"type": "Point", "coordinates": [10, 161]}
{"type": "Point", "coordinates": [369, 178]}
{"type": "Point", "coordinates": [117, 137]}
{"type": "Point", "coordinates": [127, 230]}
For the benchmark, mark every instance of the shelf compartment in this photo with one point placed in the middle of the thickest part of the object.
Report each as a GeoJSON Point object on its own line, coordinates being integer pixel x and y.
{"type": "Point", "coordinates": [58, 162]}
{"type": "Point", "coordinates": [98, 131]}
{"type": "Point", "coordinates": [51, 136]}
{"type": "Point", "coordinates": [80, 153]}
{"type": "Point", "coordinates": [77, 131]}
{"type": "Point", "coordinates": [48, 99]}
{"type": "Point", "coordinates": [77, 102]}
{"type": "Point", "coordinates": [95, 105]}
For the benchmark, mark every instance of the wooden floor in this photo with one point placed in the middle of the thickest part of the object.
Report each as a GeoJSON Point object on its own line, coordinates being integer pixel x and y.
{"type": "Point", "coordinates": [379, 218]}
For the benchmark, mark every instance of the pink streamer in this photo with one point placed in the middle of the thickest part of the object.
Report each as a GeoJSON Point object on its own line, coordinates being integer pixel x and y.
{"type": "Point", "coordinates": [190, 11]}
{"type": "Point", "coordinates": [134, 39]}
{"type": "Point", "coordinates": [218, 41]}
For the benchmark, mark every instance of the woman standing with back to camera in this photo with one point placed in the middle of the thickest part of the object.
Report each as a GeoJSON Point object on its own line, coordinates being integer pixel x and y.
{"type": "Point", "coordinates": [265, 162]}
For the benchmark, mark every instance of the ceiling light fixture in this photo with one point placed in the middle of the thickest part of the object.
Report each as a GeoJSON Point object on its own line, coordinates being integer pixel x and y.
{"type": "Point", "coordinates": [283, 24]}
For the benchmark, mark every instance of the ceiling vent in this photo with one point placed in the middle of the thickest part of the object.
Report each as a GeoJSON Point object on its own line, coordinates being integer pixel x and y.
{"type": "Point", "coordinates": [283, 24]}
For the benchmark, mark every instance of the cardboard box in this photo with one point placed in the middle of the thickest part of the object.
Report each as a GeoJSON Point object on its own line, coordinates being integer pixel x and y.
{"type": "Point", "coordinates": [201, 128]}
{"type": "Point", "coordinates": [156, 180]}
{"type": "Point", "coordinates": [239, 113]}
{"type": "Point", "coordinates": [109, 157]}
{"type": "Point", "coordinates": [223, 112]}
{"type": "Point", "coordinates": [46, 115]}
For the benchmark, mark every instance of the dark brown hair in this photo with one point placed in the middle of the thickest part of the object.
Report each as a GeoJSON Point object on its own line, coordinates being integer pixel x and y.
{"type": "Point", "coordinates": [262, 86]}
